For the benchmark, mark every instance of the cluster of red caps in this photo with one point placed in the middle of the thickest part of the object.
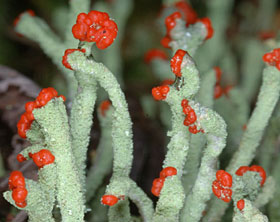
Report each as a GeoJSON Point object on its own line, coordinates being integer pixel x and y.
{"type": "Point", "coordinates": [104, 106]}
{"type": "Point", "coordinates": [190, 117]}
{"type": "Point", "coordinates": [243, 169]}
{"type": "Point", "coordinates": [159, 182]}
{"type": "Point", "coordinates": [17, 185]}
{"type": "Point", "coordinates": [221, 186]}
{"type": "Point", "coordinates": [176, 62]}
{"type": "Point", "coordinates": [273, 58]}
{"type": "Point", "coordinates": [27, 118]}
{"type": "Point", "coordinates": [41, 158]}
{"type": "Point", "coordinates": [160, 92]}
{"type": "Point", "coordinates": [95, 27]}
{"type": "Point", "coordinates": [66, 53]}
{"type": "Point", "coordinates": [154, 54]}
{"type": "Point", "coordinates": [190, 17]}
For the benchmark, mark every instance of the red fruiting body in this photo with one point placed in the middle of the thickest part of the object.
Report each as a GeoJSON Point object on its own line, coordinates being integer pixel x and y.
{"type": "Point", "coordinates": [190, 117]}
{"type": "Point", "coordinates": [160, 92]}
{"type": "Point", "coordinates": [167, 172]}
{"type": "Point", "coordinates": [218, 72]}
{"type": "Point", "coordinates": [216, 188]}
{"type": "Point", "coordinates": [154, 54]}
{"type": "Point", "coordinates": [221, 186]}
{"type": "Point", "coordinates": [187, 122]}
{"type": "Point", "coordinates": [207, 23]}
{"type": "Point", "coordinates": [221, 192]}
{"type": "Point", "coordinates": [158, 182]}
{"type": "Point", "coordinates": [156, 191]}
{"type": "Point", "coordinates": [193, 129]}
{"type": "Point", "coordinates": [187, 109]}
{"type": "Point", "coordinates": [17, 185]}
{"type": "Point", "coordinates": [261, 171]}
{"type": "Point", "coordinates": [224, 177]}
{"type": "Point", "coordinates": [95, 27]}
{"type": "Point", "coordinates": [176, 62]}
{"type": "Point", "coordinates": [189, 14]}
{"type": "Point", "coordinates": [66, 53]}
{"type": "Point", "coordinates": [45, 96]}
{"type": "Point", "coordinates": [30, 155]}
{"type": "Point", "coordinates": [27, 118]}
{"type": "Point", "coordinates": [184, 103]}
{"type": "Point", "coordinates": [43, 157]}
{"type": "Point", "coordinates": [241, 170]}
{"type": "Point", "coordinates": [109, 200]}
{"type": "Point", "coordinates": [19, 194]}
{"type": "Point", "coordinates": [165, 41]}
{"type": "Point", "coordinates": [157, 186]}
{"type": "Point", "coordinates": [30, 12]}
{"type": "Point", "coordinates": [29, 107]}
{"type": "Point", "coordinates": [23, 125]}
{"type": "Point", "coordinates": [226, 195]}
{"type": "Point", "coordinates": [170, 23]}
{"type": "Point", "coordinates": [273, 58]}
{"type": "Point", "coordinates": [105, 105]}
{"type": "Point", "coordinates": [20, 158]}
{"type": "Point", "coordinates": [16, 179]}
{"type": "Point", "coordinates": [240, 204]}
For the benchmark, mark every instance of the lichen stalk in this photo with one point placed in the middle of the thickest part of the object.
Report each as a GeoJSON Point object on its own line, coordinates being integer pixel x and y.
{"type": "Point", "coordinates": [267, 193]}
{"type": "Point", "coordinates": [41, 195]}
{"type": "Point", "coordinates": [142, 201]}
{"type": "Point", "coordinates": [120, 212]}
{"type": "Point", "coordinates": [273, 207]}
{"type": "Point", "coordinates": [171, 200]}
{"type": "Point", "coordinates": [205, 95]}
{"type": "Point", "coordinates": [179, 143]}
{"type": "Point", "coordinates": [53, 120]}
{"type": "Point", "coordinates": [251, 68]}
{"type": "Point", "coordinates": [175, 157]}
{"type": "Point", "coordinates": [266, 102]}
{"type": "Point", "coordinates": [197, 142]}
{"type": "Point", "coordinates": [81, 120]}
{"type": "Point", "coordinates": [102, 164]}
{"type": "Point", "coordinates": [215, 131]}
{"type": "Point", "coordinates": [121, 129]}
